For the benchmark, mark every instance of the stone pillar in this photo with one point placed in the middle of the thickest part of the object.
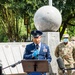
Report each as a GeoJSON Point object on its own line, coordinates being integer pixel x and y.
{"type": "Point", "coordinates": [52, 40]}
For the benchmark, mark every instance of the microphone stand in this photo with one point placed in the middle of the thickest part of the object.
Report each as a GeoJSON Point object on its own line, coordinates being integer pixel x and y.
{"type": "Point", "coordinates": [69, 69]}
{"type": "Point", "coordinates": [13, 65]}
{"type": "Point", "coordinates": [63, 70]}
{"type": "Point", "coordinates": [62, 66]}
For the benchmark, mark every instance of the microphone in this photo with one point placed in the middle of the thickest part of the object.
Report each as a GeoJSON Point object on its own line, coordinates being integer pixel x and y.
{"type": "Point", "coordinates": [60, 63]}
{"type": "Point", "coordinates": [36, 46]}
{"type": "Point", "coordinates": [16, 64]}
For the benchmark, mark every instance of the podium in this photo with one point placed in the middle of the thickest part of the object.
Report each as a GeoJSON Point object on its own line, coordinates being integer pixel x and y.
{"type": "Point", "coordinates": [39, 66]}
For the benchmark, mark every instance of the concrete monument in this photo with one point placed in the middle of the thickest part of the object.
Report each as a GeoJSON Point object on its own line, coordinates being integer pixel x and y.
{"type": "Point", "coordinates": [49, 19]}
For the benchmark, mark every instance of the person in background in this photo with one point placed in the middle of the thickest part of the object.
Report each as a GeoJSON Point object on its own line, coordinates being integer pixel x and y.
{"type": "Point", "coordinates": [37, 49]}
{"type": "Point", "coordinates": [73, 42]}
{"type": "Point", "coordinates": [65, 51]}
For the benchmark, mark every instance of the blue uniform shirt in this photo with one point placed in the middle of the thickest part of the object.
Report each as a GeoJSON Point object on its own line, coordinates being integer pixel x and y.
{"type": "Point", "coordinates": [44, 52]}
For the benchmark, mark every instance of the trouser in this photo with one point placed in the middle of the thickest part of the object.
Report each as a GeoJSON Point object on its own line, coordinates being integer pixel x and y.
{"type": "Point", "coordinates": [67, 72]}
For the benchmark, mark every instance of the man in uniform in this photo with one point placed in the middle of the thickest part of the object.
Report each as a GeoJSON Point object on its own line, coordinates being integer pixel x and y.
{"type": "Point", "coordinates": [73, 42]}
{"type": "Point", "coordinates": [37, 50]}
{"type": "Point", "coordinates": [65, 51]}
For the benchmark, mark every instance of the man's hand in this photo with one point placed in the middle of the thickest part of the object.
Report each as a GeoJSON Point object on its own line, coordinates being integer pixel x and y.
{"type": "Point", "coordinates": [35, 53]}
{"type": "Point", "coordinates": [66, 56]}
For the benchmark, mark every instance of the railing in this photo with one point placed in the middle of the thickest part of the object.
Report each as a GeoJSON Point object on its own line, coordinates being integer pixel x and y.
{"type": "Point", "coordinates": [11, 53]}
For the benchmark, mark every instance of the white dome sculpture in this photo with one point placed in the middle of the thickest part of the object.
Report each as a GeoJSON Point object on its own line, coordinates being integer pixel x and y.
{"type": "Point", "coordinates": [47, 18]}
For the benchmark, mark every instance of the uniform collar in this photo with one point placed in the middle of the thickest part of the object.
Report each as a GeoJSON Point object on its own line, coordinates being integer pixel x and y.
{"type": "Point", "coordinates": [38, 44]}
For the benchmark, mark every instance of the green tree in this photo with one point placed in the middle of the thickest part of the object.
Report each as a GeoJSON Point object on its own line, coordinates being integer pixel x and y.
{"type": "Point", "coordinates": [13, 13]}
{"type": "Point", "coordinates": [67, 9]}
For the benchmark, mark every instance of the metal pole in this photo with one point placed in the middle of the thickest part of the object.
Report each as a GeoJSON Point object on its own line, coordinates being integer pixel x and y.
{"type": "Point", "coordinates": [50, 2]}
{"type": "Point", "coordinates": [0, 67]}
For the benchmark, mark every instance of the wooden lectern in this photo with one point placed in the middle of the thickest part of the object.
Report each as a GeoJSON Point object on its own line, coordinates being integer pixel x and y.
{"type": "Point", "coordinates": [35, 66]}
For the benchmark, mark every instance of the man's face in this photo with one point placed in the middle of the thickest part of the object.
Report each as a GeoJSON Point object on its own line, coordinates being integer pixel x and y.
{"type": "Point", "coordinates": [73, 41]}
{"type": "Point", "coordinates": [37, 40]}
{"type": "Point", "coordinates": [65, 40]}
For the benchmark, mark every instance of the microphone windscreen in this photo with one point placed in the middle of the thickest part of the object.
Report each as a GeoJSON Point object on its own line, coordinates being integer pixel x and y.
{"type": "Point", "coordinates": [60, 63]}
